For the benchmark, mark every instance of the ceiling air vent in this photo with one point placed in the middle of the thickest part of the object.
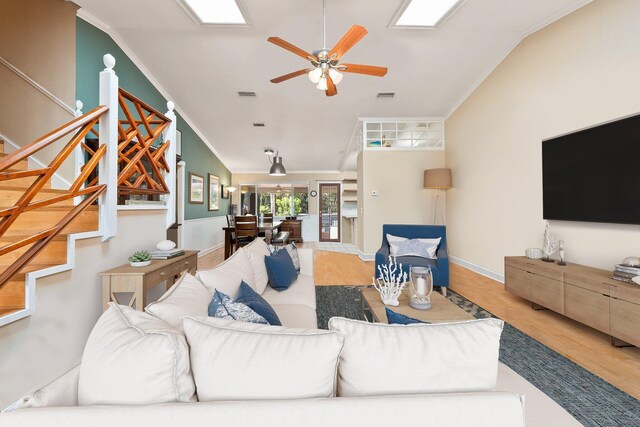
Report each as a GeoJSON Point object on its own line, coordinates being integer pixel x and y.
{"type": "Point", "coordinates": [386, 94]}
{"type": "Point", "coordinates": [258, 125]}
{"type": "Point", "coordinates": [246, 93]}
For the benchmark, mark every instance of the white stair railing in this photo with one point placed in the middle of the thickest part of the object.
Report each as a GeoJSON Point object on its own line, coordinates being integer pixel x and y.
{"type": "Point", "coordinates": [170, 134]}
{"type": "Point", "coordinates": [108, 130]}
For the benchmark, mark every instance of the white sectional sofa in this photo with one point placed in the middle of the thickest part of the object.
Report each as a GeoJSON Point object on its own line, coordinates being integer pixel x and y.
{"type": "Point", "coordinates": [56, 404]}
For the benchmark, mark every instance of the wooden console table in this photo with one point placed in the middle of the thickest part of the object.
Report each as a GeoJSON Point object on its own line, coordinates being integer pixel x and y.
{"type": "Point", "coordinates": [585, 294]}
{"type": "Point", "coordinates": [137, 280]}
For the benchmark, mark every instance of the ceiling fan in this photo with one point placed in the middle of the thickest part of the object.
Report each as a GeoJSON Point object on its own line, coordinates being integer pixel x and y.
{"type": "Point", "coordinates": [326, 62]}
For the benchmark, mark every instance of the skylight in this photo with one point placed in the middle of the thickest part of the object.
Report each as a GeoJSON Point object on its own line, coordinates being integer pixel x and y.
{"type": "Point", "coordinates": [216, 12]}
{"type": "Point", "coordinates": [426, 13]}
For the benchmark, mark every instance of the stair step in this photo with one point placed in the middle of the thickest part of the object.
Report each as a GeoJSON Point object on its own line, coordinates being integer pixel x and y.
{"type": "Point", "coordinates": [23, 183]}
{"type": "Point", "coordinates": [41, 219]}
{"type": "Point", "coordinates": [54, 253]}
{"type": "Point", "coordinates": [33, 266]}
{"type": "Point", "coordinates": [12, 293]}
{"type": "Point", "coordinates": [22, 165]}
{"type": "Point", "coordinates": [1, 146]}
{"type": "Point", "coordinates": [10, 195]}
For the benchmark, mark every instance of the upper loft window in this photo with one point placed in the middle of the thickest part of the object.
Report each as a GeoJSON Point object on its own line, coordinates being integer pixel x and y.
{"type": "Point", "coordinates": [218, 12]}
{"type": "Point", "coordinates": [425, 13]}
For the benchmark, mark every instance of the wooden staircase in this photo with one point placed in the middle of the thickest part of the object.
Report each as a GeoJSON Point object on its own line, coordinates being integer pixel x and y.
{"type": "Point", "coordinates": [30, 226]}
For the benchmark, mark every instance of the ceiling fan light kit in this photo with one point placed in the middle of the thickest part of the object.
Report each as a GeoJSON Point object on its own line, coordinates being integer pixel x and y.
{"type": "Point", "coordinates": [326, 67]}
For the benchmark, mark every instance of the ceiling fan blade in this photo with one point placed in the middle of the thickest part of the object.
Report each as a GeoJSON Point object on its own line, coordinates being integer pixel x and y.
{"type": "Point", "coordinates": [288, 46]}
{"type": "Point", "coordinates": [369, 70]}
{"type": "Point", "coordinates": [290, 75]}
{"type": "Point", "coordinates": [331, 87]}
{"type": "Point", "coordinates": [351, 37]}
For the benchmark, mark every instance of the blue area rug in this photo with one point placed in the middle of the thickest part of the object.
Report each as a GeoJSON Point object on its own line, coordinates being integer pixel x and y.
{"type": "Point", "coordinates": [590, 399]}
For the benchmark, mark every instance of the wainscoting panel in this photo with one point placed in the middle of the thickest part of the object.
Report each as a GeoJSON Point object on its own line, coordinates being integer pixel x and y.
{"type": "Point", "coordinates": [204, 234]}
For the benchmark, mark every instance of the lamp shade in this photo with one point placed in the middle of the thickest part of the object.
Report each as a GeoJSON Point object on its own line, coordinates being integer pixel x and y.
{"type": "Point", "coordinates": [277, 168]}
{"type": "Point", "coordinates": [439, 179]}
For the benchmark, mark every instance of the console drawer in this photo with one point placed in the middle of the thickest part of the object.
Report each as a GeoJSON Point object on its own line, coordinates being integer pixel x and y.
{"type": "Point", "coordinates": [547, 292]}
{"type": "Point", "coordinates": [625, 318]}
{"type": "Point", "coordinates": [588, 307]}
{"type": "Point", "coordinates": [517, 281]}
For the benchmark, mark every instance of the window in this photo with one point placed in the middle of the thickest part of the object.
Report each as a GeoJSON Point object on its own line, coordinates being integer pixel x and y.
{"type": "Point", "coordinates": [281, 199]}
{"type": "Point", "coordinates": [426, 13]}
{"type": "Point", "coordinates": [225, 12]}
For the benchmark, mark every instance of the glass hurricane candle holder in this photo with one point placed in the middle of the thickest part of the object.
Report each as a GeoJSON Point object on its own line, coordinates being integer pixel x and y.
{"type": "Point", "coordinates": [420, 287]}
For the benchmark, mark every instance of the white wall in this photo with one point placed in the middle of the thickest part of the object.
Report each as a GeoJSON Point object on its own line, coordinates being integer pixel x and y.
{"type": "Point", "coordinates": [38, 348]}
{"type": "Point", "coordinates": [397, 177]}
{"type": "Point", "coordinates": [203, 234]}
{"type": "Point", "coordinates": [582, 70]}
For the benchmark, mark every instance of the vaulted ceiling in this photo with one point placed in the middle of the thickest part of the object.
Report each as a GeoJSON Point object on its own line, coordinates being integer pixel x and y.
{"type": "Point", "coordinates": [203, 67]}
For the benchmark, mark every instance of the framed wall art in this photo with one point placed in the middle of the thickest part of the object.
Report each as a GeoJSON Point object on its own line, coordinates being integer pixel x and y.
{"type": "Point", "coordinates": [196, 188]}
{"type": "Point", "coordinates": [214, 192]}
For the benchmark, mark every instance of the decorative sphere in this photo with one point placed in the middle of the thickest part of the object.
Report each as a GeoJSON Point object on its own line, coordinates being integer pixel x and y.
{"type": "Point", "coordinates": [109, 61]}
{"type": "Point", "coordinates": [79, 105]}
{"type": "Point", "coordinates": [170, 105]}
{"type": "Point", "coordinates": [166, 245]}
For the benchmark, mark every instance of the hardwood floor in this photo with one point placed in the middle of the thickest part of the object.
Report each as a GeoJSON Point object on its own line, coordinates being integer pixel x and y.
{"type": "Point", "coordinates": [585, 346]}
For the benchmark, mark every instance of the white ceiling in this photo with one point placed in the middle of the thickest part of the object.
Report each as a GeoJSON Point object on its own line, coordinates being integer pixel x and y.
{"type": "Point", "coordinates": [202, 68]}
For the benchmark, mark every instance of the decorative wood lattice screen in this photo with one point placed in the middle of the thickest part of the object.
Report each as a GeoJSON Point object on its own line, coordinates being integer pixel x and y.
{"type": "Point", "coordinates": [32, 199]}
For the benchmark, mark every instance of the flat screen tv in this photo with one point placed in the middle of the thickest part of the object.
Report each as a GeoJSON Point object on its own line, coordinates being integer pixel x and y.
{"type": "Point", "coordinates": [593, 175]}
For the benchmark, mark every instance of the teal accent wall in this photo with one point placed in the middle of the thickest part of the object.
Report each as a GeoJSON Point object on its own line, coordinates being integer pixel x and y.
{"type": "Point", "coordinates": [91, 44]}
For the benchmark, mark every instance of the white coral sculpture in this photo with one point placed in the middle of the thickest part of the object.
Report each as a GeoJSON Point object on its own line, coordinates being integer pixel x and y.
{"type": "Point", "coordinates": [550, 242]}
{"type": "Point", "coordinates": [391, 282]}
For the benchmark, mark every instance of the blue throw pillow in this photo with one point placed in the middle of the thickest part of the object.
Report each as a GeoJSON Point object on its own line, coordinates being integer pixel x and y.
{"type": "Point", "coordinates": [223, 307]}
{"type": "Point", "coordinates": [400, 319]}
{"type": "Point", "coordinates": [281, 271]}
{"type": "Point", "coordinates": [293, 253]}
{"type": "Point", "coordinates": [255, 302]}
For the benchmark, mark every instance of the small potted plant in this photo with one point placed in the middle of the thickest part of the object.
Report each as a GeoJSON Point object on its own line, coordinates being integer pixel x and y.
{"type": "Point", "coordinates": [140, 259]}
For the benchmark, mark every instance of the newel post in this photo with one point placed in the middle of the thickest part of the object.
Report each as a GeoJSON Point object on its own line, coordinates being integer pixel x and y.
{"type": "Point", "coordinates": [170, 134]}
{"type": "Point", "coordinates": [78, 153]}
{"type": "Point", "coordinates": [108, 168]}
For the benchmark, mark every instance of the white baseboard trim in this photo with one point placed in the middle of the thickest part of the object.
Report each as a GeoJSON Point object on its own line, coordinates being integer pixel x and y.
{"type": "Point", "coordinates": [209, 250]}
{"type": "Point", "coordinates": [366, 257]}
{"type": "Point", "coordinates": [477, 269]}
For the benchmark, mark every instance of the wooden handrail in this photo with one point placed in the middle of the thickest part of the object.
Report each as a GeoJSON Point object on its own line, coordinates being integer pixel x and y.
{"type": "Point", "coordinates": [40, 239]}
{"type": "Point", "coordinates": [51, 137]}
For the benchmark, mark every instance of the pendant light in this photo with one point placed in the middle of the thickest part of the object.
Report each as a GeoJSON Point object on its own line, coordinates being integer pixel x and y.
{"type": "Point", "coordinates": [277, 168]}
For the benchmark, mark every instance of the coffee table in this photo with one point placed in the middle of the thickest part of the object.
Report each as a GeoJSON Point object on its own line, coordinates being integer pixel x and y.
{"type": "Point", "coordinates": [442, 310]}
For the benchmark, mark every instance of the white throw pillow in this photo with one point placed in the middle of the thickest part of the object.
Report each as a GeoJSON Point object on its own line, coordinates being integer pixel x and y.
{"type": "Point", "coordinates": [239, 361]}
{"type": "Point", "coordinates": [394, 240]}
{"type": "Point", "coordinates": [132, 358]}
{"type": "Point", "coordinates": [256, 251]}
{"type": "Point", "coordinates": [187, 297]}
{"type": "Point", "coordinates": [380, 359]}
{"type": "Point", "coordinates": [227, 276]}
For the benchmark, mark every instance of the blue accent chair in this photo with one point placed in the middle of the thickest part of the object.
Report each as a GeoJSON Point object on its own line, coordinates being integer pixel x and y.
{"type": "Point", "coordinates": [439, 266]}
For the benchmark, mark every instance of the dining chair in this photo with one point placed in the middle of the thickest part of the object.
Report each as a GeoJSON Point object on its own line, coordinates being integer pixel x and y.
{"type": "Point", "coordinates": [266, 218]}
{"type": "Point", "coordinates": [231, 223]}
{"type": "Point", "coordinates": [246, 229]}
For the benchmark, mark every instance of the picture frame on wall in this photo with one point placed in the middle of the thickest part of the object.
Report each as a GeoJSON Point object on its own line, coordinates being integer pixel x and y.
{"type": "Point", "coordinates": [196, 188]}
{"type": "Point", "coordinates": [214, 192]}
{"type": "Point", "coordinates": [225, 191]}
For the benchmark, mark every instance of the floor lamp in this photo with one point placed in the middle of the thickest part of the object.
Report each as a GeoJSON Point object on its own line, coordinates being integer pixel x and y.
{"type": "Point", "coordinates": [437, 179]}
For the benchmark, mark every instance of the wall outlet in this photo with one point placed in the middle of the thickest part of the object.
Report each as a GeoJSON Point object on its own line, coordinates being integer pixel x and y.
{"type": "Point", "coordinates": [375, 193]}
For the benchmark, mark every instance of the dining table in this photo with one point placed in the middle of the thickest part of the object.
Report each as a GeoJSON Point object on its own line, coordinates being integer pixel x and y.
{"type": "Point", "coordinates": [267, 227]}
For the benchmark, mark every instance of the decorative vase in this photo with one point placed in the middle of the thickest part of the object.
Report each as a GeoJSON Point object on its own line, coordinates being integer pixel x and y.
{"type": "Point", "coordinates": [139, 263]}
{"type": "Point", "coordinates": [391, 282]}
{"type": "Point", "coordinates": [420, 287]}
